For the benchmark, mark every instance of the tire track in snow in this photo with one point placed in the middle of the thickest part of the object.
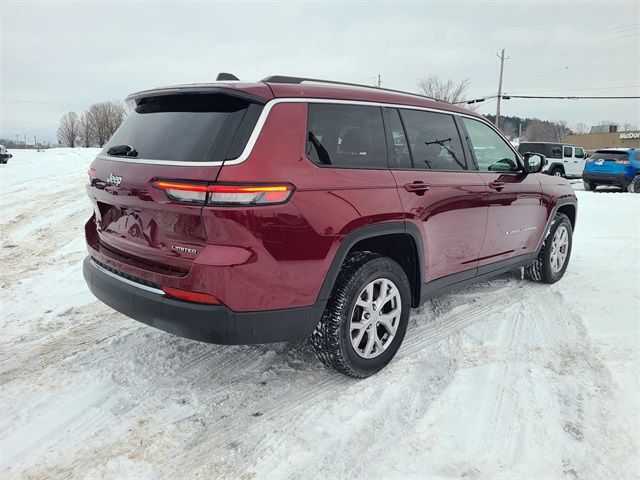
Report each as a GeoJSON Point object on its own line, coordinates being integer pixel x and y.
{"type": "Point", "coordinates": [417, 339]}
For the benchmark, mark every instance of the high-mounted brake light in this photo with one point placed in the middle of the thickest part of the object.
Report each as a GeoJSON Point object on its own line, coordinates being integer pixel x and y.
{"type": "Point", "coordinates": [226, 194]}
{"type": "Point", "coordinates": [190, 296]}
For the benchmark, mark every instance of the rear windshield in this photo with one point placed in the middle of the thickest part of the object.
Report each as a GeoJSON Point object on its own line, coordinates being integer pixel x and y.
{"type": "Point", "coordinates": [610, 156]}
{"type": "Point", "coordinates": [549, 150]}
{"type": "Point", "coordinates": [188, 127]}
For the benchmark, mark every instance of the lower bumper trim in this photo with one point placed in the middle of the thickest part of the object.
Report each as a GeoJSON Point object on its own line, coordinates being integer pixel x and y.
{"type": "Point", "coordinates": [205, 323]}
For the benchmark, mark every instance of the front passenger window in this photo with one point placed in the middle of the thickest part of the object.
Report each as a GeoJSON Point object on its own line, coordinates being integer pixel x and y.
{"type": "Point", "coordinates": [491, 151]}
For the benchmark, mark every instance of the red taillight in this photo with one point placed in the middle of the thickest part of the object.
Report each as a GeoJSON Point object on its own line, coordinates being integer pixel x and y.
{"type": "Point", "coordinates": [92, 174]}
{"type": "Point", "coordinates": [189, 296]}
{"type": "Point", "coordinates": [226, 194]}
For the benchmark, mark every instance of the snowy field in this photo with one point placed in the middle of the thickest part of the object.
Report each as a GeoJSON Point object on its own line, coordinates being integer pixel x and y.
{"type": "Point", "coordinates": [506, 379]}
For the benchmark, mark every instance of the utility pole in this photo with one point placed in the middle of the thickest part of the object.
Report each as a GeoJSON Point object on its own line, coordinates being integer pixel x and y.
{"type": "Point", "coordinates": [502, 59]}
{"type": "Point", "coordinates": [379, 82]}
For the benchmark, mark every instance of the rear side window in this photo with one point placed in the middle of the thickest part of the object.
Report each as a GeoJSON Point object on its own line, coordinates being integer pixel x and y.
{"type": "Point", "coordinates": [348, 136]}
{"type": "Point", "coordinates": [568, 152]}
{"type": "Point", "coordinates": [188, 127]}
{"type": "Point", "coordinates": [433, 140]}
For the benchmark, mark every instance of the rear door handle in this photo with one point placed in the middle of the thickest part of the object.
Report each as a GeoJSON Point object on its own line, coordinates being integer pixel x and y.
{"type": "Point", "coordinates": [417, 187]}
{"type": "Point", "coordinates": [497, 185]}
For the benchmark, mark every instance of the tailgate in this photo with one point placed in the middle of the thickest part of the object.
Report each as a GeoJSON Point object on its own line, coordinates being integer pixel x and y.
{"type": "Point", "coordinates": [179, 137]}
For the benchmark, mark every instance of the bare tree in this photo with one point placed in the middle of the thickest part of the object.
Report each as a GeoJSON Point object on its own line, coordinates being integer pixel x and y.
{"type": "Point", "coordinates": [105, 118]}
{"type": "Point", "coordinates": [69, 129]}
{"type": "Point", "coordinates": [582, 128]}
{"type": "Point", "coordinates": [86, 130]}
{"type": "Point", "coordinates": [444, 90]}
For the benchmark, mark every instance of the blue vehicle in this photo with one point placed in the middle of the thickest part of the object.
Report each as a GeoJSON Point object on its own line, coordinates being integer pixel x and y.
{"type": "Point", "coordinates": [613, 166]}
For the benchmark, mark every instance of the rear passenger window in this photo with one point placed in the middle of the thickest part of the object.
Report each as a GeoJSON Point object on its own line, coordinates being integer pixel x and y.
{"type": "Point", "coordinates": [348, 136]}
{"type": "Point", "coordinates": [434, 140]}
{"type": "Point", "coordinates": [568, 152]}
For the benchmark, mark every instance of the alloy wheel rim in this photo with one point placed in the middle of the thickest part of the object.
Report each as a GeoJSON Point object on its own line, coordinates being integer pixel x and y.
{"type": "Point", "coordinates": [558, 173]}
{"type": "Point", "coordinates": [559, 248]}
{"type": "Point", "coordinates": [375, 318]}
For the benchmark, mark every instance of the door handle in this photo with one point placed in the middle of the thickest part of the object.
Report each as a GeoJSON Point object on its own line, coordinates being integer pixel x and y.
{"type": "Point", "coordinates": [417, 187]}
{"type": "Point", "coordinates": [497, 185]}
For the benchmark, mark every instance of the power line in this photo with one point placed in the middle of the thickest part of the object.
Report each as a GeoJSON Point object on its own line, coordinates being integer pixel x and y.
{"type": "Point", "coordinates": [42, 103]}
{"type": "Point", "coordinates": [548, 97]}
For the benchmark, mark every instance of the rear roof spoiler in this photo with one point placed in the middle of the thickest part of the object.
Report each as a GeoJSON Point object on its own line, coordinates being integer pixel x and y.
{"type": "Point", "coordinates": [195, 89]}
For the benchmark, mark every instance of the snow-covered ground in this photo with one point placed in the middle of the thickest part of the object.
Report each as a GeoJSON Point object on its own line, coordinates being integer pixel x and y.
{"type": "Point", "coordinates": [506, 379]}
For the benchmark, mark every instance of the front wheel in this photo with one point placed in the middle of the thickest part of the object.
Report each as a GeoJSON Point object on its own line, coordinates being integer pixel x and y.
{"type": "Point", "coordinates": [366, 317]}
{"type": "Point", "coordinates": [553, 257]}
{"type": "Point", "coordinates": [588, 186]}
{"type": "Point", "coordinates": [634, 186]}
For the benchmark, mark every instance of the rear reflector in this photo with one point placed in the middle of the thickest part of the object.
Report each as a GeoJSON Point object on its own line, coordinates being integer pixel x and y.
{"type": "Point", "coordinates": [226, 194]}
{"type": "Point", "coordinates": [189, 296]}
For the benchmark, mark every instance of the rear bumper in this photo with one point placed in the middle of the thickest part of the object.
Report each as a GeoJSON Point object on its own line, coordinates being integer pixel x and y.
{"type": "Point", "coordinates": [205, 323]}
{"type": "Point", "coordinates": [620, 179]}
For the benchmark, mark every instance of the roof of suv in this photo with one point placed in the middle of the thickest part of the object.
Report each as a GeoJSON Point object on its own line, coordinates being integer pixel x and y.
{"type": "Point", "coordinates": [270, 90]}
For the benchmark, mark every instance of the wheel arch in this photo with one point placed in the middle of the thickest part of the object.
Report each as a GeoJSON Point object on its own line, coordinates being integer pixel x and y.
{"type": "Point", "coordinates": [399, 241]}
{"type": "Point", "coordinates": [554, 166]}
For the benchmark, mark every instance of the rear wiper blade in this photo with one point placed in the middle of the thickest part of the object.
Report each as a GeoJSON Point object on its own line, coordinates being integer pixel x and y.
{"type": "Point", "coordinates": [122, 151]}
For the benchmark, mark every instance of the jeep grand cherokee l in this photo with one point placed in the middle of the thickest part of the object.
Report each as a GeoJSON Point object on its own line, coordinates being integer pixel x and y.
{"type": "Point", "coordinates": [239, 213]}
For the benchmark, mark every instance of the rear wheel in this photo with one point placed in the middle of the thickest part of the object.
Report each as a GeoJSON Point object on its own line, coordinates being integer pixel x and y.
{"type": "Point", "coordinates": [366, 317]}
{"type": "Point", "coordinates": [556, 172]}
{"type": "Point", "coordinates": [553, 258]}
{"type": "Point", "coordinates": [634, 186]}
{"type": "Point", "coordinates": [589, 186]}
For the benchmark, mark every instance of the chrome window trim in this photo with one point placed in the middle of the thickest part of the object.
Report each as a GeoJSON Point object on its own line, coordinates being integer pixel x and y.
{"type": "Point", "coordinates": [257, 130]}
{"type": "Point", "coordinates": [127, 281]}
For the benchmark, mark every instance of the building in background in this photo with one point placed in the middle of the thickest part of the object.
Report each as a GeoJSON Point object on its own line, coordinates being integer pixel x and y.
{"type": "Point", "coordinates": [603, 136]}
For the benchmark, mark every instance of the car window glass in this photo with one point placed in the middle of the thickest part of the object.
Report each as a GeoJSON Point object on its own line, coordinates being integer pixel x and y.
{"type": "Point", "coordinates": [568, 151]}
{"type": "Point", "coordinates": [346, 136]}
{"type": "Point", "coordinates": [399, 156]}
{"type": "Point", "coordinates": [556, 152]}
{"type": "Point", "coordinates": [434, 140]}
{"type": "Point", "coordinates": [491, 151]}
{"type": "Point", "coordinates": [579, 152]}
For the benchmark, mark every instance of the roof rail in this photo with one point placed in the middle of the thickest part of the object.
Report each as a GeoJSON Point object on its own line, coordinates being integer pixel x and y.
{"type": "Point", "coordinates": [298, 80]}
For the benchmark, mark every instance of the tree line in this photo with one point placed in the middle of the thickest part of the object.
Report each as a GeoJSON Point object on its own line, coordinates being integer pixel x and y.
{"type": "Point", "coordinates": [92, 128]}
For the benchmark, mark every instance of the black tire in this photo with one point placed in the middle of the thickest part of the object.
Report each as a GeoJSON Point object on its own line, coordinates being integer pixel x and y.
{"type": "Point", "coordinates": [588, 186]}
{"type": "Point", "coordinates": [331, 339]}
{"type": "Point", "coordinates": [634, 186]}
{"type": "Point", "coordinates": [556, 172]}
{"type": "Point", "coordinates": [541, 270]}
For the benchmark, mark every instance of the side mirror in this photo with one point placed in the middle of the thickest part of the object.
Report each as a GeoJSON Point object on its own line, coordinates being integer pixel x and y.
{"type": "Point", "coordinates": [534, 162]}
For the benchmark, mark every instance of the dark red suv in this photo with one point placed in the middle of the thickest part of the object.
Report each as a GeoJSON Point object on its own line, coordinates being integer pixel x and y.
{"type": "Point", "coordinates": [240, 213]}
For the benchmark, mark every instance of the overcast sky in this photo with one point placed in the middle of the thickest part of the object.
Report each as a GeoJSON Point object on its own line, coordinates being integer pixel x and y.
{"type": "Point", "coordinates": [57, 57]}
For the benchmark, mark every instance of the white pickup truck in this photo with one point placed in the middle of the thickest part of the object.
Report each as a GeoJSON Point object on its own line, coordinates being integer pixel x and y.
{"type": "Point", "coordinates": [563, 160]}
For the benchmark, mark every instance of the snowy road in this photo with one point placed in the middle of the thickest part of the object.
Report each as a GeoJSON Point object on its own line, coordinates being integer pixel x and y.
{"type": "Point", "coordinates": [506, 379]}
